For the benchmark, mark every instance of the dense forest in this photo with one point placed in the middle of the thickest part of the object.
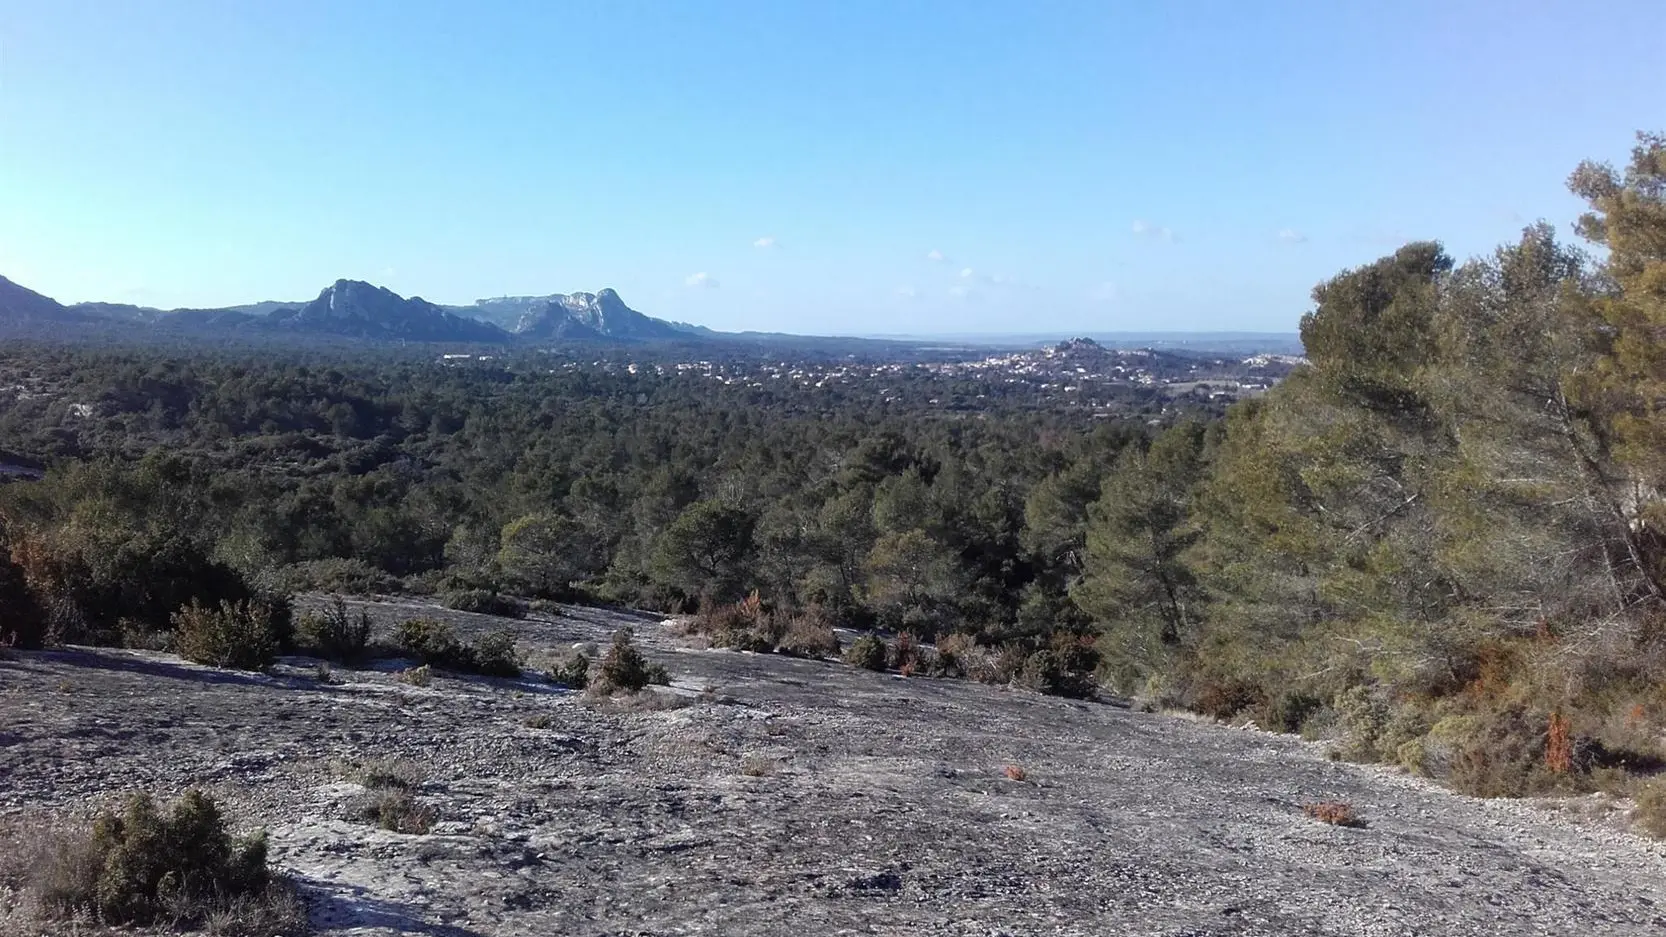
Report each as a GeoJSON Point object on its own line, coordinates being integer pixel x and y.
{"type": "Point", "coordinates": [1439, 543]}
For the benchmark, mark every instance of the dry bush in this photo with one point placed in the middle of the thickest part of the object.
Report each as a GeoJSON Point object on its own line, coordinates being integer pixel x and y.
{"type": "Point", "coordinates": [390, 800]}
{"type": "Point", "coordinates": [809, 634]}
{"type": "Point", "coordinates": [1498, 753]}
{"type": "Point", "coordinates": [905, 653]}
{"type": "Point", "coordinates": [1334, 812]}
{"type": "Point", "coordinates": [397, 811]}
{"type": "Point", "coordinates": [1222, 697]}
{"type": "Point", "coordinates": [416, 676]}
{"type": "Point", "coordinates": [1650, 812]}
{"type": "Point", "coordinates": [1015, 773]}
{"type": "Point", "coordinates": [238, 635]}
{"type": "Point", "coordinates": [996, 666]}
{"type": "Point", "coordinates": [642, 701]}
{"type": "Point", "coordinates": [747, 625]}
{"type": "Point", "coordinates": [391, 773]}
{"type": "Point", "coordinates": [335, 633]}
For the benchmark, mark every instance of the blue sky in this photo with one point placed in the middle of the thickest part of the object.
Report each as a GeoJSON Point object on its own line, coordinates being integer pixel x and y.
{"type": "Point", "coordinates": [850, 167]}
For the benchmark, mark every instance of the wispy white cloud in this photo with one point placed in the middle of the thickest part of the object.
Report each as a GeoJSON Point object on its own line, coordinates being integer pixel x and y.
{"type": "Point", "coordinates": [967, 273]}
{"type": "Point", "coordinates": [1145, 229]}
{"type": "Point", "coordinates": [701, 280]}
{"type": "Point", "coordinates": [1291, 236]}
{"type": "Point", "coordinates": [765, 243]}
{"type": "Point", "coordinates": [1105, 292]}
{"type": "Point", "coordinates": [937, 257]}
{"type": "Point", "coordinates": [959, 292]}
{"type": "Point", "coordinates": [908, 292]}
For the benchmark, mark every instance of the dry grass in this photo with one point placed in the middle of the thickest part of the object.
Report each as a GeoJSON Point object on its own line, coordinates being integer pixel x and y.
{"type": "Point", "coordinates": [641, 701]}
{"type": "Point", "coordinates": [417, 676]}
{"type": "Point", "coordinates": [397, 811]}
{"type": "Point", "coordinates": [1334, 812]}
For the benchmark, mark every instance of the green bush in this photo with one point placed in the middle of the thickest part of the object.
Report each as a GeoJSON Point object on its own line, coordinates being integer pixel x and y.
{"type": "Point", "coordinates": [624, 668]}
{"type": "Point", "coordinates": [22, 620]}
{"type": "Point", "coordinates": [494, 655]}
{"type": "Point", "coordinates": [433, 642]}
{"type": "Point", "coordinates": [236, 635]}
{"type": "Point", "coordinates": [484, 602]}
{"type": "Point", "coordinates": [142, 867]}
{"type": "Point", "coordinates": [574, 674]}
{"type": "Point", "coordinates": [336, 633]}
{"type": "Point", "coordinates": [347, 576]}
{"type": "Point", "coordinates": [430, 641]}
{"type": "Point", "coordinates": [89, 579]}
{"type": "Point", "coordinates": [867, 652]}
{"type": "Point", "coordinates": [1289, 712]}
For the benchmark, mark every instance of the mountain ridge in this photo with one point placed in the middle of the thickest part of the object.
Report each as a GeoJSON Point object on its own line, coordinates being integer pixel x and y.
{"type": "Point", "coordinates": [356, 309]}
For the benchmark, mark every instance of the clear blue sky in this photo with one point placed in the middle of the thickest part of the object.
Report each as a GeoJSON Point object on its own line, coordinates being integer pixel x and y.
{"type": "Point", "coordinates": [1076, 166]}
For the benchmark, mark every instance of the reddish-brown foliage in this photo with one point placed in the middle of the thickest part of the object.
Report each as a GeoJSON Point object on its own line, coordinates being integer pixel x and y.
{"type": "Point", "coordinates": [1559, 745]}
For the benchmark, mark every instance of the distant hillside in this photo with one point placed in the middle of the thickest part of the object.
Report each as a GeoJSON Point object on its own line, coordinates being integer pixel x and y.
{"type": "Point", "coordinates": [20, 304]}
{"type": "Point", "coordinates": [356, 309]}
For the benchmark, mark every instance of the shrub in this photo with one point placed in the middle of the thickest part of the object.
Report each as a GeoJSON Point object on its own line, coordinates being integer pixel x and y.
{"type": "Point", "coordinates": [347, 576]}
{"type": "Point", "coordinates": [493, 654]}
{"type": "Point", "coordinates": [747, 625]}
{"type": "Point", "coordinates": [809, 635]}
{"type": "Point", "coordinates": [22, 620]}
{"type": "Point", "coordinates": [238, 635]}
{"type": "Point", "coordinates": [867, 652]}
{"type": "Point", "coordinates": [625, 669]}
{"type": "Point", "coordinates": [89, 578]}
{"type": "Point", "coordinates": [484, 602]}
{"type": "Point", "coordinates": [336, 633]}
{"type": "Point", "coordinates": [574, 674]}
{"type": "Point", "coordinates": [396, 773]}
{"type": "Point", "coordinates": [997, 667]}
{"type": "Point", "coordinates": [143, 867]}
{"type": "Point", "coordinates": [1015, 773]}
{"type": "Point", "coordinates": [1045, 672]}
{"type": "Point", "coordinates": [1650, 813]}
{"type": "Point", "coordinates": [1498, 753]}
{"type": "Point", "coordinates": [1220, 697]}
{"type": "Point", "coordinates": [953, 653]}
{"type": "Point", "coordinates": [395, 810]}
{"type": "Point", "coordinates": [429, 641]}
{"type": "Point", "coordinates": [905, 653]}
{"type": "Point", "coordinates": [1289, 711]}
{"type": "Point", "coordinates": [1334, 812]}
{"type": "Point", "coordinates": [435, 643]}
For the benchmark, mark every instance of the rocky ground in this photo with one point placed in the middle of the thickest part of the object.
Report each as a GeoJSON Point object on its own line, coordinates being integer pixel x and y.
{"type": "Point", "coordinates": [798, 797]}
